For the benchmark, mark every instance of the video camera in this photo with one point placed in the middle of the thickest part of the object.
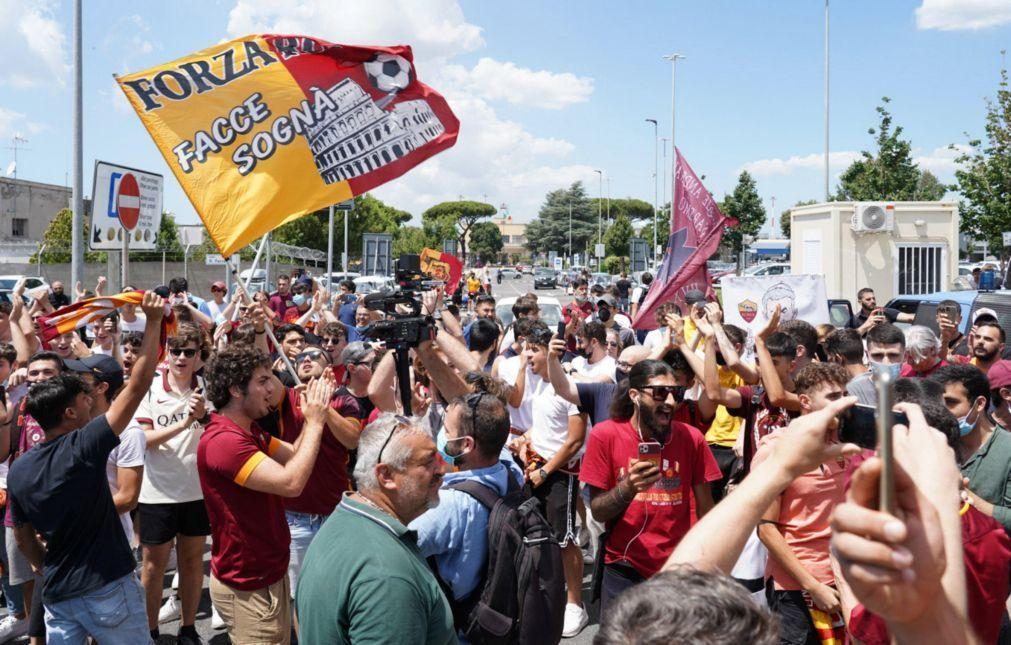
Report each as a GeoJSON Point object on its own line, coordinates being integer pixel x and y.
{"type": "Point", "coordinates": [408, 326]}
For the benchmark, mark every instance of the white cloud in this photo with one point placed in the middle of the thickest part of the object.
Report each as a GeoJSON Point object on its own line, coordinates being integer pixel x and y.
{"type": "Point", "coordinates": [776, 166]}
{"type": "Point", "coordinates": [14, 123]}
{"type": "Point", "coordinates": [941, 161]}
{"type": "Point", "coordinates": [32, 44]}
{"type": "Point", "coordinates": [503, 81]}
{"type": "Point", "coordinates": [494, 158]}
{"type": "Point", "coordinates": [950, 15]}
{"type": "Point", "coordinates": [435, 28]}
{"type": "Point", "coordinates": [129, 34]}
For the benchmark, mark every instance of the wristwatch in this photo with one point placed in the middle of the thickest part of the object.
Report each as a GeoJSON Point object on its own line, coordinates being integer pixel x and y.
{"type": "Point", "coordinates": [543, 473]}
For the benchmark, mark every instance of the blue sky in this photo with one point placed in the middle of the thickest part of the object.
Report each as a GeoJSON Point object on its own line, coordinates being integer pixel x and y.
{"type": "Point", "coordinates": [547, 92]}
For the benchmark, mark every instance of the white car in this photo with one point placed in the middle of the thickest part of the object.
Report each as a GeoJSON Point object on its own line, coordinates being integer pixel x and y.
{"type": "Point", "coordinates": [551, 310]}
{"type": "Point", "coordinates": [760, 270]}
{"type": "Point", "coordinates": [35, 287]}
{"type": "Point", "coordinates": [367, 284]}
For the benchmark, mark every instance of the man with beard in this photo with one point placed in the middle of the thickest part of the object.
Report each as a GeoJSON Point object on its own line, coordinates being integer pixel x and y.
{"type": "Point", "coordinates": [986, 344]}
{"type": "Point", "coordinates": [280, 301]}
{"type": "Point", "coordinates": [58, 298]}
{"type": "Point", "coordinates": [644, 495]}
{"type": "Point", "coordinates": [870, 315]}
{"type": "Point", "coordinates": [795, 527]}
{"type": "Point", "coordinates": [364, 578]}
{"type": "Point", "coordinates": [245, 473]}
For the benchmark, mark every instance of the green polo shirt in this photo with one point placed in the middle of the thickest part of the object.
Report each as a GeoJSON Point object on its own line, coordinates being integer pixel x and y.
{"type": "Point", "coordinates": [989, 473]}
{"type": "Point", "coordinates": [364, 581]}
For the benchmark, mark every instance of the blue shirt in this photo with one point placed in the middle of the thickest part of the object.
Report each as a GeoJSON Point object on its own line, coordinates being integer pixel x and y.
{"type": "Point", "coordinates": [346, 314]}
{"type": "Point", "coordinates": [456, 531]}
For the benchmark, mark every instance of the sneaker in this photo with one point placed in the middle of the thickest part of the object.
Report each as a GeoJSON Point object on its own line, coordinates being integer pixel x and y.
{"type": "Point", "coordinates": [11, 627]}
{"type": "Point", "coordinates": [575, 620]}
{"type": "Point", "coordinates": [217, 622]}
{"type": "Point", "coordinates": [188, 639]}
{"type": "Point", "coordinates": [170, 610]}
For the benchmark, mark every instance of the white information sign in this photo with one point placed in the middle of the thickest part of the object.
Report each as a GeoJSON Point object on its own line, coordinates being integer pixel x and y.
{"type": "Point", "coordinates": [125, 201]}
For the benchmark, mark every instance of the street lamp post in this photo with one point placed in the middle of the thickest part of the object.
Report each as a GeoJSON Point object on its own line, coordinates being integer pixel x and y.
{"type": "Point", "coordinates": [570, 234]}
{"type": "Point", "coordinates": [673, 58]}
{"type": "Point", "coordinates": [656, 181]}
{"type": "Point", "coordinates": [600, 205]}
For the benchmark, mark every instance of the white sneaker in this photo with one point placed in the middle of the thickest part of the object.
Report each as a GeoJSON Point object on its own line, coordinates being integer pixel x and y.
{"type": "Point", "coordinates": [575, 620]}
{"type": "Point", "coordinates": [170, 610]}
{"type": "Point", "coordinates": [175, 580]}
{"type": "Point", "coordinates": [217, 622]}
{"type": "Point", "coordinates": [11, 627]}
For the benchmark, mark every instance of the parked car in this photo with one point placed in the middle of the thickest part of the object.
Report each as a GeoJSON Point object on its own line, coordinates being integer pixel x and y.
{"type": "Point", "coordinates": [551, 310]}
{"type": "Point", "coordinates": [924, 307]}
{"type": "Point", "coordinates": [765, 269]}
{"type": "Point", "coordinates": [35, 287]}
{"type": "Point", "coordinates": [337, 277]}
{"type": "Point", "coordinates": [603, 279]}
{"type": "Point", "coordinates": [367, 284]}
{"type": "Point", "coordinates": [545, 279]}
{"type": "Point", "coordinates": [511, 274]}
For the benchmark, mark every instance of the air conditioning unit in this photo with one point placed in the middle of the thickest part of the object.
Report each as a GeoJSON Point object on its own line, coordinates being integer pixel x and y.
{"type": "Point", "coordinates": [873, 217]}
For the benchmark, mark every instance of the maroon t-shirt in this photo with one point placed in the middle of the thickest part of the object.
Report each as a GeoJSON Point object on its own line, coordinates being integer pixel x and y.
{"type": "Point", "coordinates": [329, 478]}
{"type": "Point", "coordinates": [250, 539]}
{"type": "Point", "coordinates": [31, 434]}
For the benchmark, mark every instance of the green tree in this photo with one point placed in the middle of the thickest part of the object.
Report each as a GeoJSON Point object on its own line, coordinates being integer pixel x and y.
{"type": "Point", "coordinates": [486, 241]}
{"type": "Point", "coordinates": [549, 231]}
{"type": "Point", "coordinates": [784, 218]}
{"type": "Point", "coordinates": [308, 232]}
{"type": "Point", "coordinates": [745, 206]}
{"type": "Point", "coordinates": [635, 210]}
{"type": "Point", "coordinates": [888, 173]}
{"type": "Point", "coordinates": [984, 175]}
{"type": "Point", "coordinates": [408, 239]}
{"type": "Point", "coordinates": [57, 239]}
{"type": "Point", "coordinates": [167, 239]}
{"type": "Point", "coordinates": [662, 229]}
{"type": "Point", "coordinates": [617, 236]}
{"type": "Point", "coordinates": [454, 220]}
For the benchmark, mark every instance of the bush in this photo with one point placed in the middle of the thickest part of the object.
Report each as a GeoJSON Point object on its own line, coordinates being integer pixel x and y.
{"type": "Point", "coordinates": [613, 264]}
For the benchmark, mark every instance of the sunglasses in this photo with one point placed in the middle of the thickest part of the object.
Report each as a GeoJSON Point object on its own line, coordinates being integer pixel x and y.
{"type": "Point", "coordinates": [659, 393]}
{"type": "Point", "coordinates": [311, 356]}
{"type": "Point", "coordinates": [332, 341]}
{"type": "Point", "coordinates": [612, 343]}
{"type": "Point", "coordinates": [183, 351]}
{"type": "Point", "coordinates": [402, 422]}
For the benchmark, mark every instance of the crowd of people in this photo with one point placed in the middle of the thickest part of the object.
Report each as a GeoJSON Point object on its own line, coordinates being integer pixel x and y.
{"type": "Point", "coordinates": [704, 482]}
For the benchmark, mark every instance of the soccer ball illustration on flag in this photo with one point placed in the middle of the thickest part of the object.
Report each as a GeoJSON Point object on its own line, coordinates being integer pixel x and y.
{"type": "Point", "coordinates": [389, 72]}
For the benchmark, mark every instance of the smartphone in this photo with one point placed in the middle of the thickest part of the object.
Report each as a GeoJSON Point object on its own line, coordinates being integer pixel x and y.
{"type": "Point", "coordinates": [948, 311]}
{"type": "Point", "coordinates": [886, 400]}
{"type": "Point", "coordinates": [650, 451]}
{"type": "Point", "coordinates": [561, 329]}
{"type": "Point", "coordinates": [859, 425]}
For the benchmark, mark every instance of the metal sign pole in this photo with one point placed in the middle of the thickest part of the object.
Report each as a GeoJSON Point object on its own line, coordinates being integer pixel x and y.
{"type": "Point", "coordinates": [126, 260]}
{"type": "Point", "coordinates": [329, 255]}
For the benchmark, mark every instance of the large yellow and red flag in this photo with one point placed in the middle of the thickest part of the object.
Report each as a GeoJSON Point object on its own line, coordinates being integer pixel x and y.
{"type": "Point", "coordinates": [264, 129]}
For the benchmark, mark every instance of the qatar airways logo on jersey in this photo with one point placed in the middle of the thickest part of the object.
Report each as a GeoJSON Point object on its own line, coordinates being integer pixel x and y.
{"type": "Point", "coordinates": [165, 420]}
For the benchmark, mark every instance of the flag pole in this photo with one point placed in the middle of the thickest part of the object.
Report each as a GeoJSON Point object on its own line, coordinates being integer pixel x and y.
{"type": "Point", "coordinates": [243, 289]}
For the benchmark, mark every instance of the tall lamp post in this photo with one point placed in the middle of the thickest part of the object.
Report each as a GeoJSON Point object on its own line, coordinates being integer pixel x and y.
{"type": "Point", "coordinates": [570, 233]}
{"type": "Point", "coordinates": [600, 206]}
{"type": "Point", "coordinates": [673, 58]}
{"type": "Point", "coordinates": [656, 181]}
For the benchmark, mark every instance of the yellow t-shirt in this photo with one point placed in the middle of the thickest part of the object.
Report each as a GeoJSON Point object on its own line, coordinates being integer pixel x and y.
{"type": "Point", "coordinates": [473, 285]}
{"type": "Point", "coordinates": [724, 428]}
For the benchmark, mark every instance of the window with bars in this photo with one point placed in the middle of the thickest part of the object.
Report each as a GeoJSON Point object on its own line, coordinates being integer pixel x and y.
{"type": "Point", "coordinates": [921, 268]}
{"type": "Point", "coordinates": [19, 227]}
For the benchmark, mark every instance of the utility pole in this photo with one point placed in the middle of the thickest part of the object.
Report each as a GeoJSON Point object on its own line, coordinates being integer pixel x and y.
{"type": "Point", "coordinates": [826, 101]}
{"type": "Point", "coordinates": [673, 58]}
{"type": "Point", "coordinates": [77, 204]}
{"type": "Point", "coordinates": [600, 205]}
{"type": "Point", "coordinates": [656, 181]}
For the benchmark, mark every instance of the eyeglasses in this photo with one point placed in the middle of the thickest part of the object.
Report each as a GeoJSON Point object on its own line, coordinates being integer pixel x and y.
{"type": "Point", "coordinates": [402, 422]}
{"type": "Point", "coordinates": [311, 355]}
{"type": "Point", "coordinates": [623, 365]}
{"type": "Point", "coordinates": [188, 352]}
{"type": "Point", "coordinates": [661, 392]}
{"type": "Point", "coordinates": [612, 343]}
{"type": "Point", "coordinates": [331, 341]}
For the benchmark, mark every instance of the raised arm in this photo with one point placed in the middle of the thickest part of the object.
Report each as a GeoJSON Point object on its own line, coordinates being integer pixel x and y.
{"type": "Point", "coordinates": [124, 405]}
{"type": "Point", "coordinates": [730, 356]}
{"type": "Point", "coordinates": [23, 342]}
{"type": "Point", "coordinates": [728, 397]}
{"type": "Point", "coordinates": [774, 388]}
{"type": "Point", "coordinates": [445, 378]}
{"type": "Point", "coordinates": [563, 385]}
{"type": "Point", "coordinates": [381, 390]}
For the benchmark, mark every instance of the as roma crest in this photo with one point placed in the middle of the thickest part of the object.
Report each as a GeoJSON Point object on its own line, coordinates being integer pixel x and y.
{"type": "Point", "coordinates": [748, 310]}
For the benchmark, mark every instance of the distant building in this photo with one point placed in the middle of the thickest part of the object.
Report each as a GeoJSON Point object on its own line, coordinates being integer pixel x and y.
{"type": "Point", "coordinates": [26, 209]}
{"type": "Point", "coordinates": [514, 236]}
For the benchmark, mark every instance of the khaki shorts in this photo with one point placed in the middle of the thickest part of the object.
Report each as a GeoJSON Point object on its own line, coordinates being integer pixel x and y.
{"type": "Point", "coordinates": [259, 617]}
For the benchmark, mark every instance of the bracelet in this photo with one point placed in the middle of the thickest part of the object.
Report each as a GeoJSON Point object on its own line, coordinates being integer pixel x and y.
{"type": "Point", "coordinates": [260, 332]}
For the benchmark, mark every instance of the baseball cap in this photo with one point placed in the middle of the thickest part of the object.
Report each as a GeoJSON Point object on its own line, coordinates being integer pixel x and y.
{"type": "Point", "coordinates": [306, 280]}
{"type": "Point", "coordinates": [218, 284]}
{"type": "Point", "coordinates": [608, 300]}
{"type": "Point", "coordinates": [999, 375]}
{"type": "Point", "coordinates": [104, 368]}
{"type": "Point", "coordinates": [693, 296]}
{"type": "Point", "coordinates": [983, 311]}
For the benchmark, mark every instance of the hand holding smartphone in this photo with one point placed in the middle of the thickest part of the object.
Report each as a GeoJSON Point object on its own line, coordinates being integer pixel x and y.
{"type": "Point", "coordinates": [650, 451]}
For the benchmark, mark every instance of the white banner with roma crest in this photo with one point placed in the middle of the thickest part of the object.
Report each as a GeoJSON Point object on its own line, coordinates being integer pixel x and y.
{"type": "Point", "coordinates": [749, 302]}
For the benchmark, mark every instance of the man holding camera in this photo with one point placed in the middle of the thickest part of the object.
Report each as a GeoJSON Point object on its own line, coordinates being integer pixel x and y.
{"type": "Point", "coordinates": [642, 468]}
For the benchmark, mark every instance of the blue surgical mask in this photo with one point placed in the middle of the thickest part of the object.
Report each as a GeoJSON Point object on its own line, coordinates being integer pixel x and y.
{"type": "Point", "coordinates": [964, 426]}
{"type": "Point", "coordinates": [440, 444]}
{"type": "Point", "coordinates": [893, 368]}
{"type": "Point", "coordinates": [298, 299]}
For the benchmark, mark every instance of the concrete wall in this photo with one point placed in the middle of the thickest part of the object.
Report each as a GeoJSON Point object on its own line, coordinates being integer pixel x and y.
{"type": "Point", "coordinates": [35, 202]}
{"type": "Point", "coordinates": [144, 275]}
{"type": "Point", "coordinates": [822, 242]}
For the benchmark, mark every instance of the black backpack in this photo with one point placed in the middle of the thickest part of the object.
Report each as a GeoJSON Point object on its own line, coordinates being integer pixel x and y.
{"type": "Point", "coordinates": [522, 595]}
